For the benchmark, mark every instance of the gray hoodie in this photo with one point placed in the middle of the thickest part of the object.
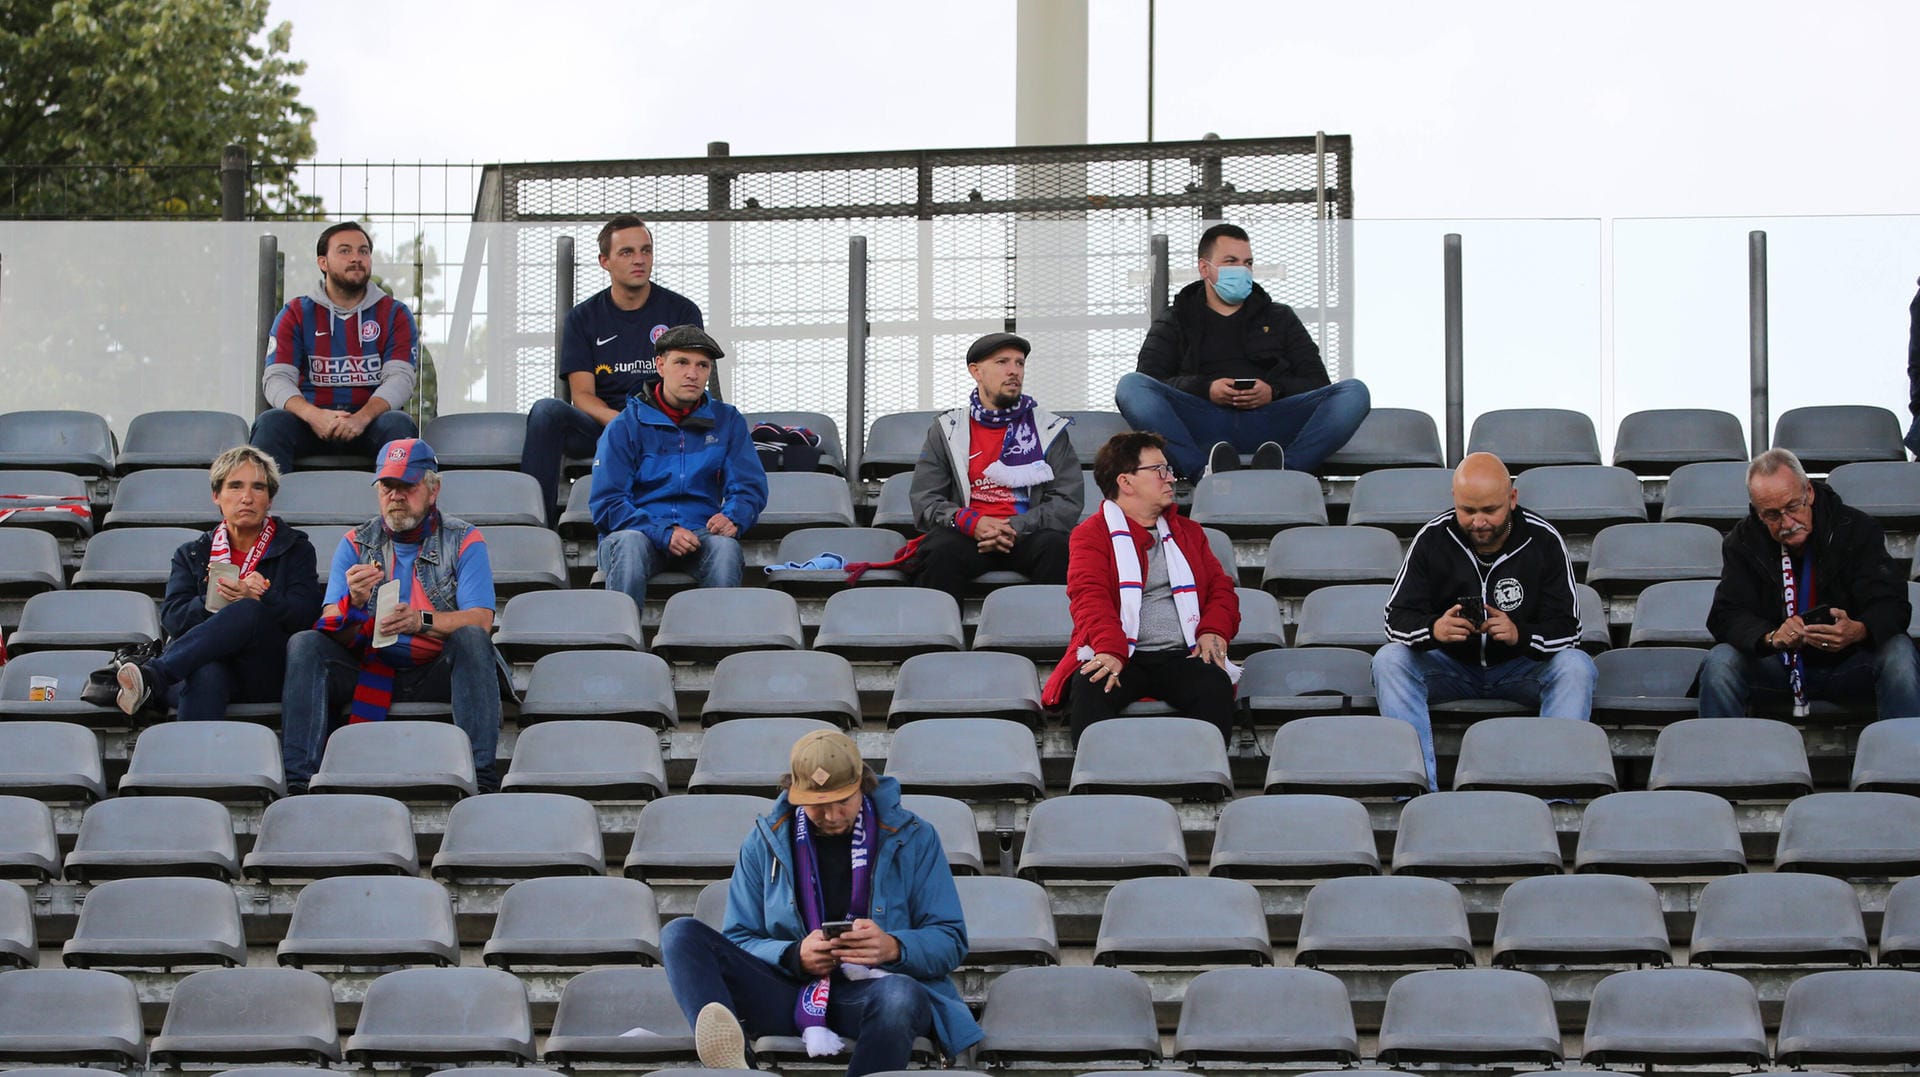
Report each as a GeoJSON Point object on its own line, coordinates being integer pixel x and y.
{"type": "Point", "coordinates": [282, 381]}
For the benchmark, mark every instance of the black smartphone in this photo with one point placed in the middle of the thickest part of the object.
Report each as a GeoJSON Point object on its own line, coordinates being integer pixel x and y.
{"type": "Point", "coordinates": [1473, 609]}
{"type": "Point", "coordinates": [1243, 384]}
{"type": "Point", "coordinates": [833, 929]}
{"type": "Point", "coordinates": [1819, 615]}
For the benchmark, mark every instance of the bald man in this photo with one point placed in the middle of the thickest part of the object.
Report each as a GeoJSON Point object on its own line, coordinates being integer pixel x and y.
{"type": "Point", "coordinates": [1483, 609]}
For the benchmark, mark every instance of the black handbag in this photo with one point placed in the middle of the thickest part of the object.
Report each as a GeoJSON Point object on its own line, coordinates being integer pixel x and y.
{"type": "Point", "coordinates": [103, 685]}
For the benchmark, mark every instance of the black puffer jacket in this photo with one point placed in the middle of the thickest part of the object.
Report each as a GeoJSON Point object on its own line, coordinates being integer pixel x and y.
{"type": "Point", "coordinates": [1276, 342]}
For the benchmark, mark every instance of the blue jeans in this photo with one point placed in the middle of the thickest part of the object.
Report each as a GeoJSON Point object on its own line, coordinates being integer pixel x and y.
{"type": "Point", "coordinates": [1406, 679]}
{"type": "Point", "coordinates": [556, 429]}
{"type": "Point", "coordinates": [240, 648]}
{"type": "Point", "coordinates": [284, 436]}
{"type": "Point", "coordinates": [883, 1015]}
{"type": "Point", "coordinates": [1889, 672]}
{"type": "Point", "coordinates": [630, 559]}
{"type": "Point", "coordinates": [1310, 426]}
{"type": "Point", "coordinates": [320, 679]}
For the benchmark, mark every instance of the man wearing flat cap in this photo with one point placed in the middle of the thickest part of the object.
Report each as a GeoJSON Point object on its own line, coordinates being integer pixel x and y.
{"type": "Point", "coordinates": [676, 480]}
{"type": "Point", "coordinates": [997, 486]}
{"type": "Point", "coordinates": [842, 920]}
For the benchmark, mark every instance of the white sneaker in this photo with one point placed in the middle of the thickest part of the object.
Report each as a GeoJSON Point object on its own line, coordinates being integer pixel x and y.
{"type": "Point", "coordinates": [717, 1039]}
{"type": "Point", "coordinates": [133, 692]}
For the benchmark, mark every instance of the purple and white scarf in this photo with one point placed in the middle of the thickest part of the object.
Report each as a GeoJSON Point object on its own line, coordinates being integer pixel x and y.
{"type": "Point", "coordinates": [810, 1009]}
{"type": "Point", "coordinates": [1023, 460]}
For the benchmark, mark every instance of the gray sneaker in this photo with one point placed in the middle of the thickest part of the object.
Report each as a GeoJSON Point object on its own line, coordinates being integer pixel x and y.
{"type": "Point", "coordinates": [134, 690]}
{"type": "Point", "coordinates": [1222, 457]}
{"type": "Point", "coordinates": [1269, 457]}
{"type": "Point", "coordinates": [717, 1039]}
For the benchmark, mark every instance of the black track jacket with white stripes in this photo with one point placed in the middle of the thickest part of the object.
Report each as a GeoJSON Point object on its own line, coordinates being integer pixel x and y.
{"type": "Point", "coordinates": [1531, 579]}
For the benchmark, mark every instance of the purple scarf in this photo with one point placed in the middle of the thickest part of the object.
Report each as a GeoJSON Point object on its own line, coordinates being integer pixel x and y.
{"type": "Point", "coordinates": [1023, 461]}
{"type": "Point", "coordinates": [810, 1009]}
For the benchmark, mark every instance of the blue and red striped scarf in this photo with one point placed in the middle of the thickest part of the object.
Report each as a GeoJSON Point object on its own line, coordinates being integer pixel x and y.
{"type": "Point", "coordinates": [373, 692]}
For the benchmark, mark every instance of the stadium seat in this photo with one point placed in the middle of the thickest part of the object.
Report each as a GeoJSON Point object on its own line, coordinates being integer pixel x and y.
{"type": "Point", "coordinates": [1159, 756]}
{"type": "Point", "coordinates": [1008, 921]}
{"type": "Point", "coordinates": [1887, 490]}
{"type": "Point", "coordinates": [889, 624]}
{"type": "Point", "coordinates": [891, 507]}
{"type": "Point", "coordinates": [1646, 685]}
{"type": "Point", "coordinates": [63, 497]}
{"type": "Point", "coordinates": [623, 685]}
{"type": "Point", "coordinates": [371, 920]}
{"type": "Point", "coordinates": [1714, 494]}
{"type": "Point", "coordinates": [710, 908]}
{"type": "Point", "coordinates": [29, 563]}
{"type": "Point", "coordinates": [24, 678]}
{"type": "Point", "coordinates": [566, 921]}
{"type": "Point", "coordinates": [1384, 920]}
{"type": "Point", "coordinates": [70, 1015]}
{"type": "Point", "coordinates": [345, 834]}
{"type": "Point", "coordinates": [576, 519]}
{"type": "Point", "coordinates": [1265, 1015]}
{"type": "Point", "coordinates": [593, 758]}
{"type": "Point", "coordinates": [1852, 835]}
{"type": "Point", "coordinates": [326, 539]}
{"type": "Point", "coordinates": [1674, 612]}
{"type": "Point", "coordinates": [1582, 498]}
{"type": "Point", "coordinates": [49, 760]}
{"type": "Point", "coordinates": [1581, 920]}
{"type": "Point", "coordinates": [409, 760]}
{"type": "Point", "coordinates": [1778, 918]}
{"type": "Point", "coordinates": [422, 1017]}
{"type": "Point", "coordinates": [804, 500]}
{"type": "Point", "coordinates": [1851, 1018]}
{"type": "Point", "coordinates": [1348, 755]}
{"type": "Point", "coordinates": [1828, 436]}
{"type": "Point", "coordinates": [539, 623]}
{"type": "Point", "coordinates": [833, 455]}
{"type": "Point", "coordinates": [600, 1006]}
{"type": "Point", "coordinates": [1344, 615]}
{"type": "Point", "coordinates": [1658, 441]}
{"type": "Point", "coordinates": [75, 441]}
{"type": "Point", "coordinates": [174, 499]}
{"type": "Point", "coordinates": [748, 755]}
{"type": "Point", "coordinates": [1221, 544]}
{"type": "Point", "coordinates": [329, 497]}
{"type": "Point", "coordinates": [1182, 921]}
{"type": "Point", "coordinates": [1535, 437]}
{"type": "Point", "coordinates": [1674, 1017]}
{"type": "Point", "coordinates": [708, 624]}
{"type": "Point", "coordinates": [483, 439]}
{"type": "Point", "coordinates": [1295, 836]}
{"type": "Point", "coordinates": [894, 443]}
{"type": "Point", "coordinates": [950, 684]}
{"type": "Point", "coordinates": [233, 1016]}
{"type": "Point", "coordinates": [1550, 757]}
{"type": "Point", "coordinates": [1476, 835]}
{"type": "Point", "coordinates": [1886, 760]}
{"type": "Point", "coordinates": [1092, 429]}
{"type": "Point", "coordinates": [1031, 620]}
{"type": "Point", "coordinates": [1595, 636]}
{"type": "Point", "coordinates": [1627, 558]}
{"type": "Point", "coordinates": [979, 758]}
{"type": "Point", "coordinates": [1257, 503]}
{"type": "Point", "coordinates": [1660, 833]}
{"type": "Point", "coordinates": [1261, 626]}
{"type": "Point", "coordinates": [692, 837]}
{"type": "Point", "coordinates": [139, 836]}
{"type": "Point", "coordinates": [79, 620]}
{"type": "Point", "coordinates": [959, 831]}
{"type": "Point", "coordinates": [525, 559]}
{"type": "Point", "coordinates": [1389, 437]}
{"type": "Point", "coordinates": [133, 559]}
{"type": "Point", "coordinates": [165, 922]}
{"type": "Point", "coordinates": [178, 439]}
{"type": "Point", "coordinates": [222, 760]}
{"type": "Point", "coordinates": [1737, 758]}
{"type": "Point", "coordinates": [1469, 1016]}
{"type": "Point", "coordinates": [765, 684]}
{"type": "Point", "coordinates": [851, 544]}
{"type": "Point", "coordinates": [1402, 499]}
{"type": "Point", "coordinates": [1278, 685]}
{"type": "Point", "coordinates": [1113, 836]}
{"type": "Point", "coordinates": [29, 848]}
{"type": "Point", "coordinates": [520, 836]}
{"type": "Point", "coordinates": [493, 498]}
{"type": "Point", "coordinates": [1302, 559]}
{"type": "Point", "coordinates": [19, 941]}
{"type": "Point", "coordinates": [1068, 1014]}
{"type": "Point", "coordinates": [1900, 925]}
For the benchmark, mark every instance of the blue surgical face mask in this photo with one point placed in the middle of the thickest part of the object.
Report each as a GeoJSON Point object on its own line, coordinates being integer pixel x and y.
{"type": "Point", "coordinates": [1232, 284]}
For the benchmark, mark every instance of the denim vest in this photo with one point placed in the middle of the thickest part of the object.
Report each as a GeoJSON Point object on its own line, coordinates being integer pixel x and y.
{"type": "Point", "coordinates": [437, 564]}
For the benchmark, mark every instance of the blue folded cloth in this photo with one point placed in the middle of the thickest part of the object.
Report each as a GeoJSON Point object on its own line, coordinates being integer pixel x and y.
{"type": "Point", "coordinates": [822, 562]}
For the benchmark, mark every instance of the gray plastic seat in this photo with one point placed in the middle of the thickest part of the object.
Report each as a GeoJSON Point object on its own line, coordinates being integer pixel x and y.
{"type": "Point", "coordinates": [1029, 619]}
{"type": "Point", "coordinates": [76, 441]}
{"type": "Point", "coordinates": [1221, 544]}
{"type": "Point", "coordinates": [1556, 757]}
{"type": "Point", "coordinates": [1886, 760]}
{"type": "Point", "coordinates": [1279, 684]}
{"type": "Point", "coordinates": [1887, 490]}
{"type": "Point", "coordinates": [371, 920]}
{"type": "Point", "coordinates": [1737, 758]}
{"type": "Point", "coordinates": [19, 941]}
{"type": "Point", "coordinates": [165, 835]}
{"type": "Point", "coordinates": [953, 820]}
{"type": "Point", "coordinates": [954, 684]}
{"type": "Point", "coordinates": [69, 671]}
{"type": "Point", "coordinates": [576, 519]}
{"type": "Point", "coordinates": [980, 758]}
{"type": "Point", "coordinates": [50, 760]}
{"type": "Point", "coordinates": [171, 498]}
{"type": "Point", "coordinates": [1182, 921]}
{"type": "Point", "coordinates": [1778, 918]}
{"type": "Point", "coordinates": [833, 455]}
{"type": "Point", "coordinates": [328, 497]}
{"type": "Point", "coordinates": [1303, 559]}
{"type": "Point", "coordinates": [692, 837]}
{"type": "Point", "coordinates": [889, 623]}
{"type": "Point", "coordinates": [344, 834]}
{"type": "Point", "coordinates": [804, 500]}
{"type": "Point", "coordinates": [525, 559]}
{"type": "Point", "coordinates": [434, 1016]}
{"type": "Point", "coordinates": [130, 559]}
{"type": "Point", "coordinates": [520, 836]}
{"type": "Point", "coordinates": [1900, 924]}
{"type": "Point", "coordinates": [228, 1016]}
{"type": "Point", "coordinates": [1257, 503]}
{"type": "Point", "coordinates": [892, 507]}
{"type": "Point", "coordinates": [1159, 756]}
{"type": "Point", "coordinates": [1294, 836]}
{"type": "Point", "coordinates": [70, 1015]}
{"type": "Point", "coordinates": [1344, 615]}
{"type": "Point", "coordinates": [707, 624]}
{"type": "Point", "coordinates": [1595, 636]}
{"type": "Point", "coordinates": [29, 562]}
{"type": "Point", "coordinates": [1466, 1016]}
{"type": "Point", "coordinates": [853, 544]}
{"type": "Point", "coordinates": [1827, 436]}
{"type": "Point", "coordinates": [1581, 920]}
{"type": "Point", "coordinates": [1388, 437]}
{"type": "Point", "coordinates": [592, 758]}
{"type": "Point", "coordinates": [1092, 429]}
{"type": "Point", "coordinates": [1261, 626]}
{"type": "Point", "coordinates": [1384, 920]}
{"type": "Point", "coordinates": [1009, 921]}
{"type": "Point", "coordinates": [563, 921]}
{"type": "Point", "coordinates": [1674, 1017]}
{"type": "Point", "coordinates": [618, 684]}
{"type": "Point", "coordinates": [1535, 437]}
{"type": "Point", "coordinates": [29, 847]}
{"type": "Point", "coordinates": [1674, 612]}
{"type": "Point", "coordinates": [1626, 558]}
{"type": "Point", "coordinates": [710, 907]}
{"type": "Point", "coordinates": [802, 684]}
{"type": "Point", "coordinates": [1347, 755]}
{"type": "Point", "coordinates": [1656, 442]}
{"type": "Point", "coordinates": [409, 760]}
{"type": "Point", "coordinates": [1265, 1015]}
{"type": "Point", "coordinates": [1660, 833]}
{"type": "Point", "coordinates": [490, 439]}
{"type": "Point", "coordinates": [178, 439]}
{"type": "Point", "coordinates": [1068, 1014]}
{"type": "Point", "coordinates": [1111, 836]}
{"type": "Point", "coordinates": [79, 620]}
{"type": "Point", "coordinates": [55, 491]}
{"type": "Point", "coordinates": [1582, 498]}
{"type": "Point", "coordinates": [748, 755]}
{"type": "Point", "coordinates": [1646, 685]}
{"type": "Point", "coordinates": [1851, 1018]}
{"type": "Point", "coordinates": [165, 922]}
{"type": "Point", "coordinates": [894, 443]}
{"type": "Point", "coordinates": [222, 760]}
{"type": "Point", "coordinates": [1714, 494]}
{"type": "Point", "coordinates": [493, 498]}
{"type": "Point", "coordinates": [1852, 835]}
{"type": "Point", "coordinates": [1476, 835]}
{"type": "Point", "coordinates": [599, 1006]}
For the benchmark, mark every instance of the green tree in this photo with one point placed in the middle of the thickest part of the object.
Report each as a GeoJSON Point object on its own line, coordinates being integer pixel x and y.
{"type": "Point", "coordinates": [159, 86]}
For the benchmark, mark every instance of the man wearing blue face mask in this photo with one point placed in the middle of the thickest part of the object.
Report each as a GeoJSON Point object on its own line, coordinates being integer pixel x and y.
{"type": "Point", "coordinates": [1226, 370]}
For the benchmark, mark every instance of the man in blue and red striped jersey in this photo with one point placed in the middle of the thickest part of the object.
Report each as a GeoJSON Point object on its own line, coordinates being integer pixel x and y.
{"type": "Point", "coordinates": [340, 362]}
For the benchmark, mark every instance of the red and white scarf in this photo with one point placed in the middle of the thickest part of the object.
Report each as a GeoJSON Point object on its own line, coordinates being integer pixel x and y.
{"type": "Point", "coordinates": [222, 551]}
{"type": "Point", "coordinates": [1127, 567]}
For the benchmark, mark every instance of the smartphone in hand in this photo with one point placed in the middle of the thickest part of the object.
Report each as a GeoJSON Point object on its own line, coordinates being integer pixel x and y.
{"type": "Point", "coordinates": [1243, 384]}
{"type": "Point", "coordinates": [1819, 615]}
{"type": "Point", "coordinates": [1474, 609]}
{"type": "Point", "coordinates": [833, 929]}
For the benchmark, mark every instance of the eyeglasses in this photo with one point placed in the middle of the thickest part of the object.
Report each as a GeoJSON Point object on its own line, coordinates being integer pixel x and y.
{"type": "Point", "coordinates": [1791, 508]}
{"type": "Point", "coordinates": [1165, 471]}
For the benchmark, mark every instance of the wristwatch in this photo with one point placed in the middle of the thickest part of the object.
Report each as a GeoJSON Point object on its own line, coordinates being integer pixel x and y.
{"type": "Point", "coordinates": [426, 620]}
